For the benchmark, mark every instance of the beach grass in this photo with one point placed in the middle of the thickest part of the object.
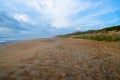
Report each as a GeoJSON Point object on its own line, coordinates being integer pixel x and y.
{"type": "Point", "coordinates": [100, 36]}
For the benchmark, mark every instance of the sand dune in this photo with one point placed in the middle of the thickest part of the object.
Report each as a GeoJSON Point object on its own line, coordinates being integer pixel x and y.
{"type": "Point", "coordinates": [60, 59]}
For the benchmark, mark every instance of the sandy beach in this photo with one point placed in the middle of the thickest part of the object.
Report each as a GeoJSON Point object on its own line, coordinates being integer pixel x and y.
{"type": "Point", "coordinates": [60, 59]}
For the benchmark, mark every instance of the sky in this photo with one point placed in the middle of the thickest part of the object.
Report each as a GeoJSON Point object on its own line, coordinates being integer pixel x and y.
{"type": "Point", "coordinates": [48, 18]}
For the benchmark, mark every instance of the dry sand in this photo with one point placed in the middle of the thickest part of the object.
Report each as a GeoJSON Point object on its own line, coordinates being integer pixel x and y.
{"type": "Point", "coordinates": [60, 59]}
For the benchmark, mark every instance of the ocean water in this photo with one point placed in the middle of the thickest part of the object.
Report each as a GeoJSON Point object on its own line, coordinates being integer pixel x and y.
{"type": "Point", "coordinates": [6, 40]}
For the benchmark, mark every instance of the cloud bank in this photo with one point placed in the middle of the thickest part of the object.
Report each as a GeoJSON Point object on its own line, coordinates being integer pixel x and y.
{"type": "Point", "coordinates": [53, 17]}
{"type": "Point", "coordinates": [69, 13]}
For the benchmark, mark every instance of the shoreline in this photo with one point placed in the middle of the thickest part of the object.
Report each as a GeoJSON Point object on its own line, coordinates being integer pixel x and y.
{"type": "Point", "coordinates": [17, 41]}
{"type": "Point", "coordinates": [9, 42]}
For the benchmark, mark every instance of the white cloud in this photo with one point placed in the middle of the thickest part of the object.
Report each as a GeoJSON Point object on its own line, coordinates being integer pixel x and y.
{"type": "Point", "coordinates": [92, 19]}
{"type": "Point", "coordinates": [59, 12]}
{"type": "Point", "coordinates": [78, 28]}
{"type": "Point", "coordinates": [22, 17]}
{"type": "Point", "coordinates": [5, 29]}
{"type": "Point", "coordinates": [62, 13]}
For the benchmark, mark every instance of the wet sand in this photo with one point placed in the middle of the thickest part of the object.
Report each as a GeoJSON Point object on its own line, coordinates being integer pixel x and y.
{"type": "Point", "coordinates": [60, 59]}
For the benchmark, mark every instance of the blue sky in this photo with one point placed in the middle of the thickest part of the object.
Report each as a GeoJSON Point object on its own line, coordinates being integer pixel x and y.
{"type": "Point", "coordinates": [45, 18]}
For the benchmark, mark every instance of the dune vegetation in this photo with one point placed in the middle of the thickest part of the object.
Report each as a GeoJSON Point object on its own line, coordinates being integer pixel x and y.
{"type": "Point", "coordinates": [106, 34]}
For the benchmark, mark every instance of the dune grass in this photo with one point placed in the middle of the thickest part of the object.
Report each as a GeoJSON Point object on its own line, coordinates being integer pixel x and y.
{"type": "Point", "coordinates": [106, 34]}
{"type": "Point", "coordinates": [100, 37]}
